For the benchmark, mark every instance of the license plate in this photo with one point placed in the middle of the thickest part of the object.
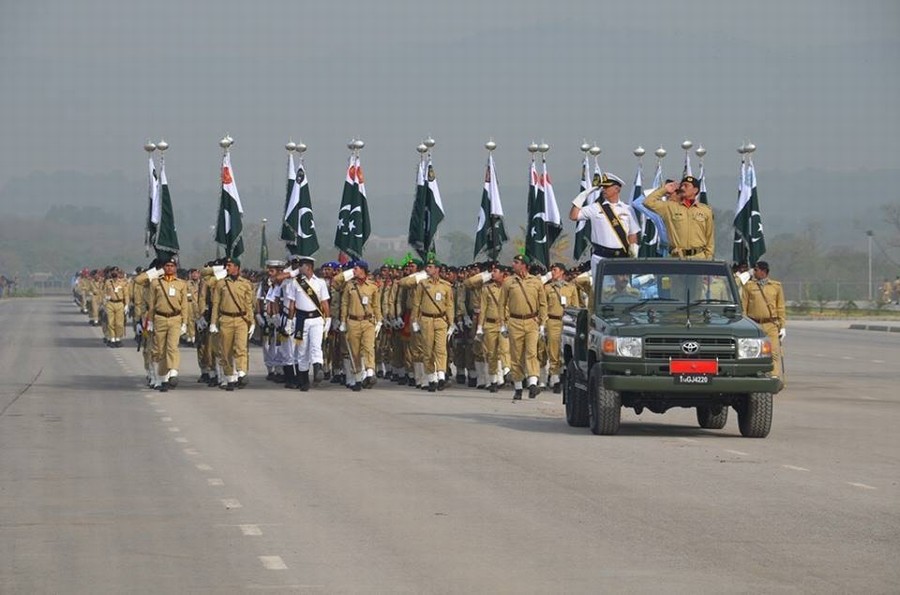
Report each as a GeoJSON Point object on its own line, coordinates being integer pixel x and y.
{"type": "Point", "coordinates": [693, 367]}
{"type": "Point", "coordinates": [693, 379]}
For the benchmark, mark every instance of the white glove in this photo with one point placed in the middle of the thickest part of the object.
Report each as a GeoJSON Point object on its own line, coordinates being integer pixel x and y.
{"type": "Point", "coordinates": [542, 331]}
{"type": "Point", "coordinates": [149, 326]}
{"type": "Point", "coordinates": [633, 250]}
{"type": "Point", "coordinates": [154, 274]}
{"type": "Point", "coordinates": [485, 276]}
{"type": "Point", "coordinates": [782, 333]}
{"type": "Point", "coordinates": [504, 330]}
{"type": "Point", "coordinates": [213, 329]}
{"type": "Point", "coordinates": [479, 333]}
{"type": "Point", "coordinates": [294, 273]}
{"type": "Point", "coordinates": [582, 196]}
{"type": "Point", "coordinates": [377, 328]}
{"type": "Point", "coordinates": [219, 272]}
{"type": "Point", "coordinates": [289, 327]}
{"type": "Point", "coordinates": [327, 326]}
{"type": "Point", "coordinates": [450, 331]}
{"type": "Point", "coordinates": [416, 328]}
{"type": "Point", "coordinates": [347, 275]}
{"type": "Point", "coordinates": [251, 329]}
{"type": "Point", "coordinates": [744, 277]}
{"type": "Point", "coordinates": [467, 321]}
{"type": "Point", "coordinates": [183, 328]}
{"type": "Point", "coordinates": [545, 278]}
{"type": "Point", "coordinates": [343, 327]}
{"type": "Point", "coordinates": [201, 324]}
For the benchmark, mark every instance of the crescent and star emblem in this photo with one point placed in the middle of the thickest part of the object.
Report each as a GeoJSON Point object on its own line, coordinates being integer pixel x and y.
{"type": "Point", "coordinates": [312, 224]}
{"type": "Point", "coordinates": [542, 216]}
{"type": "Point", "coordinates": [758, 234]}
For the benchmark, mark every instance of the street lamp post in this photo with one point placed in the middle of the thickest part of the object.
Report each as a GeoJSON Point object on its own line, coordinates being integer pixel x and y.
{"type": "Point", "coordinates": [870, 234]}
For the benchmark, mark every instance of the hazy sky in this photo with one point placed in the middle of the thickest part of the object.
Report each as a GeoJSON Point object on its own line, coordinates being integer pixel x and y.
{"type": "Point", "coordinates": [814, 83]}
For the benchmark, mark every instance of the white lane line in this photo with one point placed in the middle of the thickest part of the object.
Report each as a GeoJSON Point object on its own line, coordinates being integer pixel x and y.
{"type": "Point", "coordinates": [861, 485]}
{"type": "Point", "coordinates": [215, 481]}
{"type": "Point", "coordinates": [181, 439]}
{"type": "Point", "coordinates": [203, 467]}
{"type": "Point", "coordinates": [191, 451]}
{"type": "Point", "coordinates": [159, 410]}
{"type": "Point", "coordinates": [174, 429]}
{"type": "Point", "coordinates": [230, 503]}
{"type": "Point", "coordinates": [877, 361]}
{"type": "Point", "coordinates": [868, 398]}
{"type": "Point", "coordinates": [687, 439]}
{"type": "Point", "coordinates": [846, 357]}
{"type": "Point", "coordinates": [273, 562]}
{"type": "Point", "coordinates": [738, 453]}
{"type": "Point", "coordinates": [795, 468]}
{"type": "Point", "coordinates": [820, 355]}
{"type": "Point", "coordinates": [250, 530]}
{"type": "Point", "coordinates": [150, 395]}
{"type": "Point", "coordinates": [165, 419]}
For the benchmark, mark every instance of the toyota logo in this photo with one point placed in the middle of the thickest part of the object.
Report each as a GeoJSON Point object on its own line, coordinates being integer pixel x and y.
{"type": "Point", "coordinates": [690, 347]}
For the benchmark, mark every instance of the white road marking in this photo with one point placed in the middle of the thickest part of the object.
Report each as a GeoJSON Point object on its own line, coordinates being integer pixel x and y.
{"type": "Point", "coordinates": [687, 439]}
{"type": "Point", "coordinates": [820, 355]}
{"type": "Point", "coordinates": [160, 410]}
{"type": "Point", "coordinates": [846, 357]}
{"type": "Point", "coordinates": [861, 485]}
{"type": "Point", "coordinates": [150, 396]}
{"type": "Point", "coordinates": [877, 361]}
{"type": "Point", "coordinates": [181, 439]}
{"type": "Point", "coordinates": [738, 453]}
{"type": "Point", "coordinates": [165, 419]}
{"type": "Point", "coordinates": [273, 562]}
{"type": "Point", "coordinates": [868, 398]}
{"type": "Point", "coordinates": [203, 467]}
{"type": "Point", "coordinates": [215, 481]}
{"type": "Point", "coordinates": [191, 451]}
{"type": "Point", "coordinates": [795, 468]}
{"type": "Point", "coordinates": [250, 530]}
{"type": "Point", "coordinates": [230, 503]}
{"type": "Point", "coordinates": [174, 429]}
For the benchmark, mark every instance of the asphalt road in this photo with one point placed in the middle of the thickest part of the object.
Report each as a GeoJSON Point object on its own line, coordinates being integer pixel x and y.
{"type": "Point", "coordinates": [108, 487]}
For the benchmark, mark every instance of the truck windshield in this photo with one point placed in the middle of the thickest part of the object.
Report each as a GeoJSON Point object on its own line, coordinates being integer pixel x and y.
{"type": "Point", "coordinates": [666, 281]}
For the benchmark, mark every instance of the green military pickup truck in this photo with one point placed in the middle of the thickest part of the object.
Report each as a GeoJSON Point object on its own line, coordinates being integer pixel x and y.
{"type": "Point", "coordinates": [663, 333]}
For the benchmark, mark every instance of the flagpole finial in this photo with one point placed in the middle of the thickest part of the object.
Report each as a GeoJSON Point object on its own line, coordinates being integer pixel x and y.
{"type": "Point", "coordinates": [149, 146]}
{"type": "Point", "coordinates": [162, 145]}
{"type": "Point", "coordinates": [750, 147]}
{"type": "Point", "coordinates": [639, 151]}
{"type": "Point", "coordinates": [585, 147]}
{"type": "Point", "coordinates": [700, 152]}
{"type": "Point", "coordinates": [290, 147]}
{"type": "Point", "coordinates": [532, 147]}
{"type": "Point", "coordinates": [686, 145]}
{"type": "Point", "coordinates": [595, 151]}
{"type": "Point", "coordinates": [660, 152]}
{"type": "Point", "coordinates": [301, 147]}
{"type": "Point", "coordinates": [490, 145]}
{"type": "Point", "coordinates": [358, 144]}
{"type": "Point", "coordinates": [543, 147]}
{"type": "Point", "coordinates": [742, 149]}
{"type": "Point", "coordinates": [422, 149]}
{"type": "Point", "coordinates": [226, 142]}
{"type": "Point", "coordinates": [429, 142]}
{"type": "Point", "coordinates": [264, 220]}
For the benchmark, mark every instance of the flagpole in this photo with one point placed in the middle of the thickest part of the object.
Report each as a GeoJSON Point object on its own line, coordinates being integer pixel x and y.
{"type": "Point", "coordinates": [687, 146]}
{"type": "Point", "coordinates": [493, 249]}
{"type": "Point", "coordinates": [150, 147]}
{"type": "Point", "coordinates": [225, 142]}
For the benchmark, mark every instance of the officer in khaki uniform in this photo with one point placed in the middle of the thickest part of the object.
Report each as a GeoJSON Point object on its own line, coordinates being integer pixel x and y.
{"type": "Point", "coordinates": [560, 295]}
{"type": "Point", "coordinates": [688, 221]}
{"type": "Point", "coordinates": [412, 357]}
{"type": "Point", "coordinates": [763, 302]}
{"type": "Point", "coordinates": [487, 333]}
{"type": "Point", "coordinates": [116, 296]}
{"type": "Point", "coordinates": [524, 305]}
{"type": "Point", "coordinates": [432, 312]}
{"type": "Point", "coordinates": [232, 321]}
{"type": "Point", "coordinates": [166, 311]}
{"type": "Point", "coordinates": [361, 322]}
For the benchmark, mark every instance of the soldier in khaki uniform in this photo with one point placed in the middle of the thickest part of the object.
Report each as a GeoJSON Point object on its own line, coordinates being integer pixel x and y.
{"type": "Point", "coordinates": [166, 312]}
{"type": "Point", "coordinates": [117, 298]}
{"type": "Point", "coordinates": [96, 289]}
{"type": "Point", "coordinates": [560, 295]}
{"type": "Point", "coordinates": [140, 295]}
{"type": "Point", "coordinates": [412, 358]}
{"type": "Point", "coordinates": [432, 310]}
{"type": "Point", "coordinates": [523, 303]}
{"type": "Point", "coordinates": [232, 321]}
{"type": "Point", "coordinates": [763, 301]}
{"type": "Point", "coordinates": [490, 320]}
{"type": "Point", "coordinates": [193, 300]}
{"type": "Point", "coordinates": [476, 358]}
{"type": "Point", "coordinates": [688, 221]}
{"type": "Point", "coordinates": [361, 322]}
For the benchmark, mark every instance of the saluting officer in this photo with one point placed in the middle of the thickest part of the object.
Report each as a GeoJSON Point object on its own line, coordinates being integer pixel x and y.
{"type": "Point", "coordinates": [361, 321]}
{"type": "Point", "coordinates": [688, 221]}
{"type": "Point", "coordinates": [167, 311]}
{"type": "Point", "coordinates": [523, 304]}
{"type": "Point", "coordinates": [232, 320]}
{"type": "Point", "coordinates": [432, 308]}
{"type": "Point", "coordinates": [614, 224]}
{"type": "Point", "coordinates": [763, 301]}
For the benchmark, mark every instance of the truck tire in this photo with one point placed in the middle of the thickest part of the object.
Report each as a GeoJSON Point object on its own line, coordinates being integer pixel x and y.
{"type": "Point", "coordinates": [712, 417]}
{"type": "Point", "coordinates": [576, 400]}
{"type": "Point", "coordinates": [604, 406]}
{"type": "Point", "coordinates": [755, 415]}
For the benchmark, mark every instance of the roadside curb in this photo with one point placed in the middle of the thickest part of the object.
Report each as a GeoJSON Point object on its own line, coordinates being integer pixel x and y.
{"type": "Point", "coordinates": [875, 327]}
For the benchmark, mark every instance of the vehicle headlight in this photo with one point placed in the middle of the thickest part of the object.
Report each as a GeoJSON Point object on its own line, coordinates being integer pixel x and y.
{"type": "Point", "coordinates": [753, 348]}
{"type": "Point", "coordinates": [623, 346]}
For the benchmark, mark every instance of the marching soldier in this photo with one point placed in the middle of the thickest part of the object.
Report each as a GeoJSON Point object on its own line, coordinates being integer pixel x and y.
{"type": "Point", "coordinates": [361, 322]}
{"type": "Point", "coordinates": [116, 297]}
{"type": "Point", "coordinates": [264, 317]}
{"type": "Point", "coordinates": [490, 320]}
{"type": "Point", "coordinates": [523, 304]}
{"type": "Point", "coordinates": [166, 312]}
{"type": "Point", "coordinates": [431, 314]}
{"type": "Point", "coordinates": [193, 295]}
{"type": "Point", "coordinates": [614, 224]}
{"type": "Point", "coordinates": [96, 288]}
{"type": "Point", "coordinates": [413, 359]}
{"type": "Point", "coordinates": [560, 295]}
{"type": "Point", "coordinates": [232, 320]}
{"type": "Point", "coordinates": [688, 221]}
{"type": "Point", "coordinates": [763, 301]}
{"type": "Point", "coordinates": [308, 320]}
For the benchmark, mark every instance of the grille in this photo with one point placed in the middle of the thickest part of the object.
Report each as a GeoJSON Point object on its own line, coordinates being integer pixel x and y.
{"type": "Point", "coordinates": [664, 348]}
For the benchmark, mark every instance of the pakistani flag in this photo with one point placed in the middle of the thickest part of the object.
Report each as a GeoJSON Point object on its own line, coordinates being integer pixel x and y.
{"type": "Point", "coordinates": [307, 241]}
{"type": "Point", "coordinates": [153, 209]}
{"type": "Point", "coordinates": [703, 196]}
{"type": "Point", "coordinates": [544, 223]}
{"type": "Point", "coordinates": [263, 248]}
{"type": "Point", "coordinates": [353, 227]}
{"type": "Point", "coordinates": [489, 232]}
{"type": "Point", "coordinates": [229, 227]}
{"type": "Point", "coordinates": [583, 228]}
{"type": "Point", "coordinates": [428, 210]}
{"type": "Point", "coordinates": [749, 243]}
{"type": "Point", "coordinates": [166, 240]}
{"type": "Point", "coordinates": [289, 221]}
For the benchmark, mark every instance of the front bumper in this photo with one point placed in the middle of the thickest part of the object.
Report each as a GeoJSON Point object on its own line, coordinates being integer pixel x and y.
{"type": "Point", "coordinates": [666, 385]}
